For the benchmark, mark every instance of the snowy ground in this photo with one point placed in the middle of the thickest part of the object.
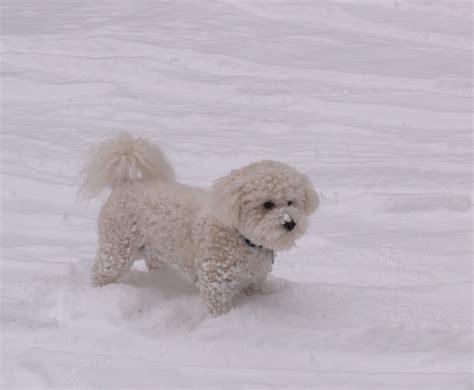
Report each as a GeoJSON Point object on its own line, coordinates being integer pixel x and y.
{"type": "Point", "coordinates": [372, 99]}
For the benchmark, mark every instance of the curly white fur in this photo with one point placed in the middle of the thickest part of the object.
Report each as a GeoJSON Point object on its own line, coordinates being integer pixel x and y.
{"type": "Point", "coordinates": [122, 160]}
{"type": "Point", "coordinates": [221, 240]}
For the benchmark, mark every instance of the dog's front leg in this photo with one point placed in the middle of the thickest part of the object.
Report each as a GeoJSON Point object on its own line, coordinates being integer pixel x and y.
{"type": "Point", "coordinates": [217, 299]}
{"type": "Point", "coordinates": [217, 292]}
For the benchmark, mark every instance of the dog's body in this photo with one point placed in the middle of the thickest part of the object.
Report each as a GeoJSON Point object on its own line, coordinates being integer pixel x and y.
{"type": "Point", "coordinates": [221, 240]}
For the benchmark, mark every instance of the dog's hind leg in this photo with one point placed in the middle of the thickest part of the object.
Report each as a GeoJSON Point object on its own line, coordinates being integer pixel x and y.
{"type": "Point", "coordinates": [114, 258]}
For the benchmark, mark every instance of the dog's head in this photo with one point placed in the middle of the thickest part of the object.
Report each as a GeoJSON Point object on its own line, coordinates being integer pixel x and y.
{"type": "Point", "coordinates": [268, 202]}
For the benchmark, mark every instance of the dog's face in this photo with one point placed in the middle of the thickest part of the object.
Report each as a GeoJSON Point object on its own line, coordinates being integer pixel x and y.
{"type": "Point", "coordinates": [268, 202]}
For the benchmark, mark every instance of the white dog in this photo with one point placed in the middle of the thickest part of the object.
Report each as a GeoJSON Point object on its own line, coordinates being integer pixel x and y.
{"type": "Point", "coordinates": [222, 240]}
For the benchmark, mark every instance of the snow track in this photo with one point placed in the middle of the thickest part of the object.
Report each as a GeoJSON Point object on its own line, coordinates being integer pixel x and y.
{"type": "Point", "coordinates": [372, 99]}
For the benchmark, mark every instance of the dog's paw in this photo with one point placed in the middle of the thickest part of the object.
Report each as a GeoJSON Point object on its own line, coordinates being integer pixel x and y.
{"type": "Point", "coordinates": [98, 283]}
{"type": "Point", "coordinates": [253, 289]}
{"type": "Point", "coordinates": [220, 309]}
{"type": "Point", "coordinates": [99, 280]}
{"type": "Point", "coordinates": [217, 312]}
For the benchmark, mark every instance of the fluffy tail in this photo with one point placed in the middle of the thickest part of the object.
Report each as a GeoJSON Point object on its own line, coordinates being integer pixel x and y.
{"type": "Point", "coordinates": [123, 160]}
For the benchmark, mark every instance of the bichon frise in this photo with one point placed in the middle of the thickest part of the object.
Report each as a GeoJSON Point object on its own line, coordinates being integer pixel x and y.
{"type": "Point", "coordinates": [222, 240]}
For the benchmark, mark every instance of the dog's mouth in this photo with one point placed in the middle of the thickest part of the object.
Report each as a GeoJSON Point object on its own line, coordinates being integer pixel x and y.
{"type": "Point", "coordinates": [277, 238]}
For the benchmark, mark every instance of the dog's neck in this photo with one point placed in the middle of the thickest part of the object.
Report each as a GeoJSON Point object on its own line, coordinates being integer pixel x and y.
{"type": "Point", "coordinates": [255, 246]}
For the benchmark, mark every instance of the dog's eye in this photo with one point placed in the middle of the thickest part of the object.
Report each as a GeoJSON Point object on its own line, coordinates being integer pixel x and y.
{"type": "Point", "coordinates": [290, 203]}
{"type": "Point", "coordinates": [269, 205]}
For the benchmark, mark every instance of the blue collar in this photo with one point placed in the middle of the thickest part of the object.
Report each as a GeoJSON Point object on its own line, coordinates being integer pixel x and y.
{"type": "Point", "coordinates": [251, 244]}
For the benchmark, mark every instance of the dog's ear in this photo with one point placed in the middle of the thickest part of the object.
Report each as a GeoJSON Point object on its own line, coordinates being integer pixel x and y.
{"type": "Point", "coordinates": [226, 199]}
{"type": "Point", "coordinates": [311, 202]}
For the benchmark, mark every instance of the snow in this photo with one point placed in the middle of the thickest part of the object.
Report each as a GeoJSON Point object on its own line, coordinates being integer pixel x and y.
{"type": "Point", "coordinates": [372, 99]}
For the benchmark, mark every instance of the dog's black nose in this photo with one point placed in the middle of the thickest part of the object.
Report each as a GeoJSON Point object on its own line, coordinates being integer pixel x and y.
{"type": "Point", "coordinates": [289, 225]}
